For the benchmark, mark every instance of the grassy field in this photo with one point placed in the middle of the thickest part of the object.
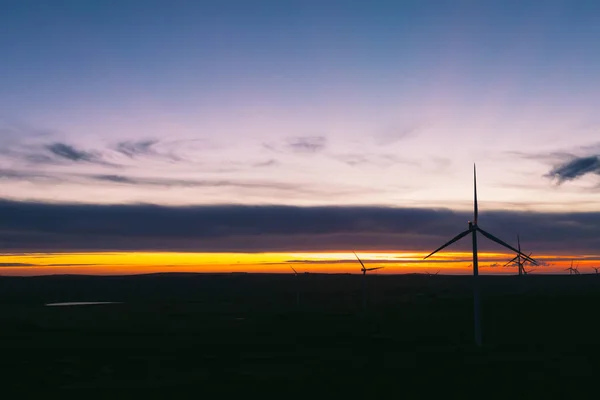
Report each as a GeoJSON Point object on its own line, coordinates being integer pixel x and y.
{"type": "Point", "coordinates": [241, 333]}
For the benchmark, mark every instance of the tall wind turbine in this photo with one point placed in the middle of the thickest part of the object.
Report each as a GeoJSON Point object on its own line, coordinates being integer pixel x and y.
{"type": "Point", "coordinates": [364, 271]}
{"type": "Point", "coordinates": [473, 229]}
{"type": "Point", "coordinates": [518, 259]}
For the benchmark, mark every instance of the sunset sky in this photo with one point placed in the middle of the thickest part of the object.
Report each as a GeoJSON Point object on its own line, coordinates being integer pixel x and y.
{"type": "Point", "coordinates": [231, 135]}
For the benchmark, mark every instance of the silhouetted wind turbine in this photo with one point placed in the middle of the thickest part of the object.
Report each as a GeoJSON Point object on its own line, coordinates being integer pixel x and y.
{"type": "Point", "coordinates": [597, 269]}
{"type": "Point", "coordinates": [571, 269]}
{"type": "Point", "coordinates": [364, 271]}
{"type": "Point", "coordinates": [473, 229]}
{"type": "Point", "coordinates": [518, 259]}
{"type": "Point", "coordinates": [576, 269]}
{"type": "Point", "coordinates": [297, 286]}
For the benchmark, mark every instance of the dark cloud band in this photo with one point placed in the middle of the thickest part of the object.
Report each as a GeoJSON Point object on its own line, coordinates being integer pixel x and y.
{"type": "Point", "coordinates": [68, 227]}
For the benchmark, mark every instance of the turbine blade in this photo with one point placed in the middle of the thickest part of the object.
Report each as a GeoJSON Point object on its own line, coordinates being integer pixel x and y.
{"type": "Point", "coordinates": [374, 268]}
{"type": "Point", "coordinates": [508, 246]}
{"type": "Point", "coordinates": [361, 263]}
{"type": "Point", "coordinates": [475, 207]}
{"type": "Point", "coordinates": [294, 270]}
{"type": "Point", "coordinates": [458, 237]}
{"type": "Point", "coordinates": [529, 255]}
{"type": "Point", "coordinates": [511, 261]}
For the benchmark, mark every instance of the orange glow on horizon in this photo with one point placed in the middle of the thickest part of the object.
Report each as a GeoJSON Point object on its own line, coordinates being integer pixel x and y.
{"type": "Point", "coordinates": [120, 263]}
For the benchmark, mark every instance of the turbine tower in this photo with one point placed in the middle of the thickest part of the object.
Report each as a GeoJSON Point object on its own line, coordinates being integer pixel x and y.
{"type": "Point", "coordinates": [473, 229]}
{"type": "Point", "coordinates": [364, 271]}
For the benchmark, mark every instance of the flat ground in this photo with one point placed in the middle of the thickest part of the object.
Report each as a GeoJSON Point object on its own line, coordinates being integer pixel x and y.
{"type": "Point", "coordinates": [242, 334]}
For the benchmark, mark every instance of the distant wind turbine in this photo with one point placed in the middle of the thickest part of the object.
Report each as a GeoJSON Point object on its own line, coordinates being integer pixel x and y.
{"type": "Point", "coordinates": [520, 261]}
{"type": "Point", "coordinates": [473, 229]}
{"type": "Point", "coordinates": [297, 286]}
{"type": "Point", "coordinates": [572, 270]}
{"type": "Point", "coordinates": [364, 271]}
{"type": "Point", "coordinates": [597, 270]}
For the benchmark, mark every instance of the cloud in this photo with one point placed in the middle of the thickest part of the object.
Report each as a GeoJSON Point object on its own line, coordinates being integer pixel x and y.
{"type": "Point", "coordinates": [83, 179]}
{"type": "Point", "coordinates": [136, 148]}
{"type": "Point", "coordinates": [268, 163]}
{"type": "Point", "coordinates": [16, 265]}
{"type": "Point", "coordinates": [34, 176]}
{"type": "Point", "coordinates": [40, 227]}
{"type": "Point", "coordinates": [575, 168]}
{"type": "Point", "coordinates": [169, 182]}
{"type": "Point", "coordinates": [55, 153]}
{"type": "Point", "coordinates": [11, 264]}
{"type": "Point", "coordinates": [147, 148]}
{"type": "Point", "coordinates": [395, 134]}
{"type": "Point", "coordinates": [28, 176]}
{"type": "Point", "coordinates": [68, 152]}
{"type": "Point", "coordinates": [381, 160]}
{"type": "Point", "coordinates": [307, 144]}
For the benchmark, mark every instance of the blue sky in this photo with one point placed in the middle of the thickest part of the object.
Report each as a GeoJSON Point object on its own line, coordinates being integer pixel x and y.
{"type": "Point", "coordinates": [301, 103]}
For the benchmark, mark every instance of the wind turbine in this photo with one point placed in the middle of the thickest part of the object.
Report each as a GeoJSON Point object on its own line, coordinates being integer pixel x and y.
{"type": "Point", "coordinates": [473, 229]}
{"type": "Point", "coordinates": [597, 269]}
{"type": "Point", "coordinates": [518, 259]}
{"type": "Point", "coordinates": [297, 286]}
{"type": "Point", "coordinates": [364, 271]}
{"type": "Point", "coordinates": [576, 269]}
{"type": "Point", "coordinates": [571, 269]}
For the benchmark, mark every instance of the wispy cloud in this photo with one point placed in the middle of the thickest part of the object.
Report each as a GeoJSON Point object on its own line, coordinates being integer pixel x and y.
{"type": "Point", "coordinates": [380, 160]}
{"type": "Point", "coordinates": [394, 134]}
{"type": "Point", "coordinates": [28, 176]}
{"type": "Point", "coordinates": [68, 152]}
{"type": "Point", "coordinates": [11, 264]}
{"type": "Point", "coordinates": [269, 163]}
{"type": "Point", "coordinates": [16, 265]}
{"type": "Point", "coordinates": [55, 153]}
{"type": "Point", "coordinates": [575, 168]}
{"type": "Point", "coordinates": [169, 182]}
{"type": "Point", "coordinates": [297, 145]}
{"type": "Point", "coordinates": [147, 148]}
{"type": "Point", "coordinates": [136, 148]}
{"type": "Point", "coordinates": [307, 144]}
{"type": "Point", "coordinates": [83, 179]}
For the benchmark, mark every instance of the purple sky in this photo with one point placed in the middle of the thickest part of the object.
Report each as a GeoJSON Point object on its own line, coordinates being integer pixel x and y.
{"type": "Point", "coordinates": [301, 103]}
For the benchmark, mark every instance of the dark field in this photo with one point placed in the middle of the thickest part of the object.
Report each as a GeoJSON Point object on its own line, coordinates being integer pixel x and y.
{"type": "Point", "coordinates": [243, 334]}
